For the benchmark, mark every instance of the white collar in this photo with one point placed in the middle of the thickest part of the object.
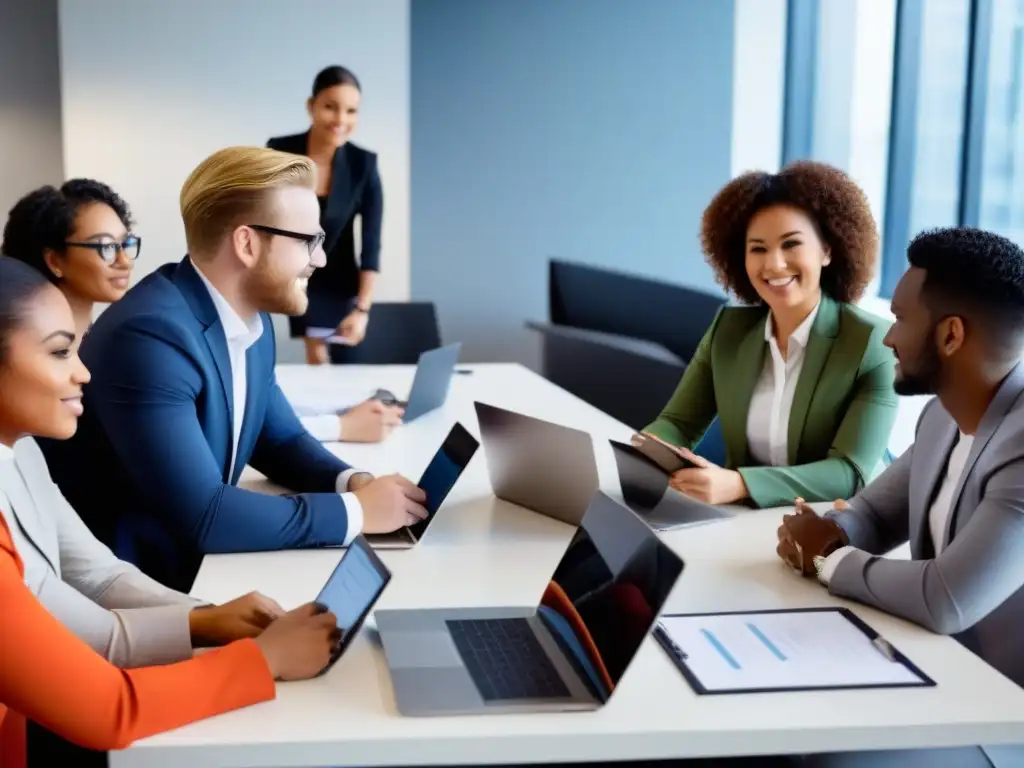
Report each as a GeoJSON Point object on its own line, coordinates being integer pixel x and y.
{"type": "Point", "coordinates": [235, 328]}
{"type": "Point", "coordinates": [802, 333]}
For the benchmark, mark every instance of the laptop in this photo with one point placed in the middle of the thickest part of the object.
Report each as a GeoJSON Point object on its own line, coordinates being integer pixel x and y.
{"type": "Point", "coordinates": [645, 489]}
{"type": "Point", "coordinates": [438, 479]}
{"type": "Point", "coordinates": [566, 653]}
{"type": "Point", "coordinates": [538, 465]}
{"type": "Point", "coordinates": [430, 386]}
{"type": "Point", "coordinates": [352, 590]}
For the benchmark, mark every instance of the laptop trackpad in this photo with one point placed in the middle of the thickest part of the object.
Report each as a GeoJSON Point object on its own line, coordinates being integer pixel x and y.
{"type": "Point", "coordinates": [422, 649]}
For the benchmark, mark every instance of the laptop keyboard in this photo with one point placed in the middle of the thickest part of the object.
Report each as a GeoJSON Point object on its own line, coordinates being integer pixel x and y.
{"type": "Point", "coordinates": [505, 659]}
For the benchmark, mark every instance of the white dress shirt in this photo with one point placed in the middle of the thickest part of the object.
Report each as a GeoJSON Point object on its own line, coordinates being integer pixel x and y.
{"type": "Point", "coordinates": [324, 427]}
{"type": "Point", "coordinates": [938, 514]}
{"type": "Point", "coordinates": [240, 335]}
{"type": "Point", "coordinates": [772, 399]}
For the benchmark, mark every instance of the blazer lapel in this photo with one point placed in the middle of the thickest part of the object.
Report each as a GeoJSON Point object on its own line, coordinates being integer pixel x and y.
{"type": "Point", "coordinates": [199, 300]}
{"type": "Point", "coordinates": [339, 199]}
{"type": "Point", "coordinates": [254, 374]}
{"type": "Point", "coordinates": [748, 364]}
{"type": "Point", "coordinates": [940, 445]}
{"type": "Point", "coordinates": [819, 345]}
{"type": "Point", "coordinates": [1005, 397]}
{"type": "Point", "coordinates": [24, 511]}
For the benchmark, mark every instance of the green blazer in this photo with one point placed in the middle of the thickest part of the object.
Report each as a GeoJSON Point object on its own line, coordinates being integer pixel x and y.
{"type": "Point", "coordinates": [843, 409]}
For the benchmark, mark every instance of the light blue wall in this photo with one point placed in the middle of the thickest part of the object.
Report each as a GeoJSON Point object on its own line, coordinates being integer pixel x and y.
{"type": "Point", "coordinates": [588, 130]}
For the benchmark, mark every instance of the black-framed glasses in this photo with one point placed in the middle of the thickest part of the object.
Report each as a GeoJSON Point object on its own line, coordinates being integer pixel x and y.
{"type": "Point", "coordinates": [108, 251]}
{"type": "Point", "coordinates": [312, 241]}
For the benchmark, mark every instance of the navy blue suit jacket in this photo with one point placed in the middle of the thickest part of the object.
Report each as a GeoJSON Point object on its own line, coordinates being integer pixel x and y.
{"type": "Point", "coordinates": [148, 470]}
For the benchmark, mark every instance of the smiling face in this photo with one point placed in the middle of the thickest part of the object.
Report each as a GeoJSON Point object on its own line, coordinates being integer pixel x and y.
{"type": "Point", "coordinates": [41, 377]}
{"type": "Point", "coordinates": [785, 256]}
{"type": "Point", "coordinates": [95, 270]}
{"type": "Point", "coordinates": [283, 264]}
{"type": "Point", "coordinates": [334, 113]}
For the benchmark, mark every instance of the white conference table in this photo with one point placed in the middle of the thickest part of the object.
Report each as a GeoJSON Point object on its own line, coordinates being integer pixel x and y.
{"type": "Point", "coordinates": [481, 551]}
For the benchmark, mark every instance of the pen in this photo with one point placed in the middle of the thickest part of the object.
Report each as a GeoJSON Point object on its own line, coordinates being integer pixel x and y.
{"type": "Point", "coordinates": [884, 647]}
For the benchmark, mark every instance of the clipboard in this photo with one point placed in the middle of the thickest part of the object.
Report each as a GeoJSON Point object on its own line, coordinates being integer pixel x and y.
{"type": "Point", "coordinates": [913, 677]}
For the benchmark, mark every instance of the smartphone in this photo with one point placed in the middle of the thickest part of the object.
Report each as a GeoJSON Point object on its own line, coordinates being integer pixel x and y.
{"type": "Point", "coordinates": [660, 454]}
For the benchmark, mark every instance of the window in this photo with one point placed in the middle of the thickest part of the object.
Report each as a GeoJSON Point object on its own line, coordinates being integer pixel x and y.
{"type": "Point", "coordinates": [927, 134]}
{"type": "Point", "coordinates": [1001, 207]}
{"type": "Point", "coordinates": [957, 141]}
{"type": "Point", "coordinates": [839, 78]}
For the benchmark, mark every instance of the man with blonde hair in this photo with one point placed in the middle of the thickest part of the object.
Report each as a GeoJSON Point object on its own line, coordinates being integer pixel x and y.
{"type": "Point", "coordinates": [183, 392]}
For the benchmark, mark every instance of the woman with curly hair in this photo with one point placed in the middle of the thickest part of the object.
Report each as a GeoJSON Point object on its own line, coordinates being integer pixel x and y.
{"type": "Point", "coordinates": [799, 377]}
{"type": "Point", "coordinates": [80, 236]}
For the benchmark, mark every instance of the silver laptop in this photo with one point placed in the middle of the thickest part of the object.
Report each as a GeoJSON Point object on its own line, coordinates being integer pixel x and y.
{"type": "Point", "coordinates": [646, 490]}
{"type": "Point", "coordinates": [430, 385]}
{"type": "Point", "coordinates": [567, 653]}
{"type": "Point", "coordinates": [538, 465]}
{"type": "Point", "coordinates": [438, 479]}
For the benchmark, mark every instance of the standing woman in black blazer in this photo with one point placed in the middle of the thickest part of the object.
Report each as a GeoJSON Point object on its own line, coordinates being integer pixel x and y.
{"type": "Point", "coordinates": [348, 185]}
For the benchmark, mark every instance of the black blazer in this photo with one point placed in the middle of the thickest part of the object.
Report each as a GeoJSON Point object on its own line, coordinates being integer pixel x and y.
{"type": "Point", "coordinates": [355, 189]}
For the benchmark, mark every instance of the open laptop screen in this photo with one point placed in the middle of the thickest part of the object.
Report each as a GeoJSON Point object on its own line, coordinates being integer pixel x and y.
{"type": "Point", "coordinates": [444, 471]}
{"type": "Point", "coordinates": [607, 592]}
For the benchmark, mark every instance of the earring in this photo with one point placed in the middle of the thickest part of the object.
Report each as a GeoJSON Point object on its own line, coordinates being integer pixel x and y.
{"type": "Point", "coordinates": [57, 273]}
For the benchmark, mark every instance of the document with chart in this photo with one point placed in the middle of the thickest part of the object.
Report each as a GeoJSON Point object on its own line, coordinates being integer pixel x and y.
{"type": "Point", "coordinates": [772, 651]}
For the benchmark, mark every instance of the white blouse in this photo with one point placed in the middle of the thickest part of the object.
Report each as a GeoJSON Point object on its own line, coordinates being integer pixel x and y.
{"type": "Point", "coordinates": [772, 400]}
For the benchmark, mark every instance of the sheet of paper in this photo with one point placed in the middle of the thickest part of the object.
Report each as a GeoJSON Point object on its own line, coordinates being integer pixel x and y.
{"type": "Point", "coordinates": [758, 651]}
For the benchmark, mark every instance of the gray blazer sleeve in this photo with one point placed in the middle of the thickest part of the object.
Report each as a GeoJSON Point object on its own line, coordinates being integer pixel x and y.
{"type": "Point", "coordinates": [91, 568]}
{"type": "Point", "coordinates": [974, 575]}
{"type": "Point", "coordinates": [878, 518]}
{"type": "Point", "coordinates": [133, 637]}
{"type": "Point", "coordinates": [120, 612]}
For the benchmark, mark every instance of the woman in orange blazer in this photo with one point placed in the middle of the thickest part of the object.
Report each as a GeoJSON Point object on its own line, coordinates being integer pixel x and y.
{"type": "Point", "coordinates": [47, 674]}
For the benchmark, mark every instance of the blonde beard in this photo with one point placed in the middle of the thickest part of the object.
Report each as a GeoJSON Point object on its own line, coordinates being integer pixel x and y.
{"type": "Point", "coordinates": [270, 291]}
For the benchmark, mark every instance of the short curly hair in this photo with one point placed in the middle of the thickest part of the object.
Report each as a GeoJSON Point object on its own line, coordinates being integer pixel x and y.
{"type": "Point", "coordinates": [44, 219]}
{"type": "Point", "coordinates": [977, 274]}
{"type": "Point", "coordinates": [833, 201]}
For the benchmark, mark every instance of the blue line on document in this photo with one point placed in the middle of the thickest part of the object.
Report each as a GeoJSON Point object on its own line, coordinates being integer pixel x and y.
{"type": "Point", "coordinates": [768, 643]}
{"type": "Point", "coordinates": [721, 649]}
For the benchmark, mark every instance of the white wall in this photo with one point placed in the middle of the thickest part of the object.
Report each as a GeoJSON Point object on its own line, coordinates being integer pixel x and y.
{"type": "Point", "coordinates": [150, 89]}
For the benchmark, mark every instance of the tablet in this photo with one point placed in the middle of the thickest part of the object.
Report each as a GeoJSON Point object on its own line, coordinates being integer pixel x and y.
{"type": "Point", "coordinates": [352, 590]}
{"type": "Point", "coordinates": [659, 453]}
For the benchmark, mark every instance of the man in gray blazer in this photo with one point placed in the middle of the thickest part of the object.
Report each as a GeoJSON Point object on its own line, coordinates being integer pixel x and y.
{"type": "Point", "coordinates": [123, 614]}
{"type": "Point", "coordinates": [957, 494]}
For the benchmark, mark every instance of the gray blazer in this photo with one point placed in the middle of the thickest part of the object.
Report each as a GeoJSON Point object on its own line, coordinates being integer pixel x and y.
{"type": "Point", "coordinates": [123, 614]}
{"type": "Point", "coordinates": [975, 588]}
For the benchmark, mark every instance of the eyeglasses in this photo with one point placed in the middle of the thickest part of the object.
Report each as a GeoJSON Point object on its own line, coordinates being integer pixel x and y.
{"type": "Point", "coordinates": [108, 251]}
{"type": "Point", "coordinates": [312, 241]}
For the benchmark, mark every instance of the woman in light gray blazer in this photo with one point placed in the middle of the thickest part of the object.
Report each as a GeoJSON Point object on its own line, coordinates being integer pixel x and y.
{"type": "Point", "coordinates": [123, 614]}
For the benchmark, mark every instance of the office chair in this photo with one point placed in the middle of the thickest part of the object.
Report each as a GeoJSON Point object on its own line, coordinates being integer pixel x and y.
{"type": "Point", "coordinates": [398, 333]}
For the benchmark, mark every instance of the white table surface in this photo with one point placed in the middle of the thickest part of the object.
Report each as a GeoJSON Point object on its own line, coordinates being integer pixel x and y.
{"type": "Point", "coordinates": [481, 551]}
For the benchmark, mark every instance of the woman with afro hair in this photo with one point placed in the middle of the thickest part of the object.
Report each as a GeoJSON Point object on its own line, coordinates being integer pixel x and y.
{"type": "Point", "coordinates": [798, 377]}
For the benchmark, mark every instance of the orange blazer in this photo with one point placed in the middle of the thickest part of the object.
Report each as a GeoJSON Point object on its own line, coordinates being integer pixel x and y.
{"type": "Point", "coordinates": [50, 676]}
